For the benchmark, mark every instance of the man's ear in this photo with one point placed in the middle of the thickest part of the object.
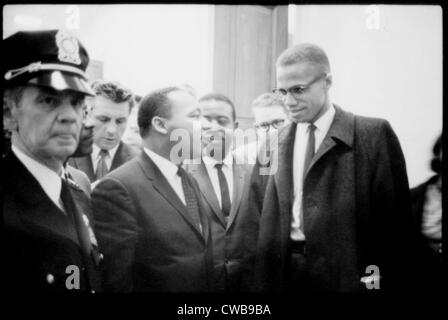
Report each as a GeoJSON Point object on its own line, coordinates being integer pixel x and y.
{"type": "Point", "coordinates": [329, 80]}
{"type": "Point", "coordinates": [9, 109]}
{"type": "Point", "coordinates": [159, 124]}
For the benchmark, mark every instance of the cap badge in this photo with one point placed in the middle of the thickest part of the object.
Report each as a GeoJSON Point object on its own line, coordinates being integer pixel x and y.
{"type": "Point", "coordinates": [68, 47]}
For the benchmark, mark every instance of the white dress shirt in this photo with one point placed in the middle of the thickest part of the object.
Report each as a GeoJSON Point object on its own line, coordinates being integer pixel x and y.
{"type": "Point", "coordinates": [300, 143]}
{"type": "Point", "coordinates": [169, 171]}
{"type": "Point", "coordinates": [49, 180]}
{"type": "Point", "coordinates": [95, 156]}
{"type": "Point", "coordinates": [227, 169]}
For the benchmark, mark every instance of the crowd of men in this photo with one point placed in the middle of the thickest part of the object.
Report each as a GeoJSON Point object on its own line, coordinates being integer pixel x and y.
{"type": "Point", "coordinates": [329, 211]}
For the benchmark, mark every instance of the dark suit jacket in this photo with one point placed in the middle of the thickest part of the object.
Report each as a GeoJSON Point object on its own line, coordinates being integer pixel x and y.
{"type": "Point", "coordinates": [80, 178]}
{"type": "Point", "coordinates": [149, 241]}
{"type": "Point", "coordinates": [228, 250]}
{"type": "Point", "coordinates": [40, 241]}
{"type": "Point", "coordinates": [355, 209]}
{"type": "Point", "coordinates": [124, 153]}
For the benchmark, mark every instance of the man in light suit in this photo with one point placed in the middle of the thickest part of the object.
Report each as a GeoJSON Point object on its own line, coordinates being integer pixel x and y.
{"type": "Point", "coordinates": [110, 112]}
{"type": "Point", "coordinates": [222, 181]}
{"type": "Point", "coordinates": [334, 210]}
{"type": "Point", "coordinates": [49, 242]}
{"type": "Point", "coordinates": [150, 219]}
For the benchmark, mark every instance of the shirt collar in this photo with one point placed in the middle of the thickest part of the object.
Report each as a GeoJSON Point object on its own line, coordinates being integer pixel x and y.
{"type": "Point", "coordinates": [96, 151]}
{"type": "Point", "coordinates": [211, 162]}
{"type": "Point", "coordinates": [49, 180]}
{"type": "Point", "coordinates": [165, 166]}
{"type": "Point", "coordinates": [324, 122]}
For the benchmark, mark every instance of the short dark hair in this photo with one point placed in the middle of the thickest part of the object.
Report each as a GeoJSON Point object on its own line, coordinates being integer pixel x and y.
{"type": "Point", "coordinates": [113, 91]}
{"type": "Point", "coordinates": [155, 103]}
{"type": "Point", "coordinates": [304, 52]}
{"type": "Point", "coordinates": [220, 97]}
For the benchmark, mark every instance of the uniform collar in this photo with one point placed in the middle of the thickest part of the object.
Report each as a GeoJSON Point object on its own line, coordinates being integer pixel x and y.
{"type": "Point", "coordinates": [49, 180]}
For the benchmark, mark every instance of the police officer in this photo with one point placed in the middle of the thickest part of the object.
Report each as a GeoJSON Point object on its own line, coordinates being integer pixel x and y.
{"type": "Point", "coordinates": [49, 242]}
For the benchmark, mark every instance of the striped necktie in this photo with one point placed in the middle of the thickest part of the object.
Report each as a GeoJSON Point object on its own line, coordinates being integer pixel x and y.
{"type": "Point", "coordinates": [190, 198]}
{"type": "Point", "coordinates": [101, 169]}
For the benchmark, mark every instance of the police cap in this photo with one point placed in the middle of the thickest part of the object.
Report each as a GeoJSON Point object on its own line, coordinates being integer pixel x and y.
{"type": "Point", "coordinates": [50, 58]}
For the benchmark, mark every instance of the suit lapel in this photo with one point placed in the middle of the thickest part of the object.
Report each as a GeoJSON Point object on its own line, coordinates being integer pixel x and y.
{"type": "Point", "coordinates": [200, 173]}
{"type": "Point", "coordinates": [341, 129]}
{"type": "Point", "coordinates": [119, 157]}
{"type": "Point", "coordinates": [40, 211]}
{"type": "Point", "coordinates": [283, 179]}
{"type": "Point", "coordinates": [81, 229]}
{"type": "Point", "coordinates": [162, 186]}
{"type": "Point", "coordinates": [238, 184]}
{"type": "Point", "coordinates": [84, 230]}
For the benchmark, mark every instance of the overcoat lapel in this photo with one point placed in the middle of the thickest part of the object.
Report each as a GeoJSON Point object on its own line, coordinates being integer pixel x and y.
{"type": "Point", "coordinates": [341, 129]}
{"type": "Point", "coordinates": [284, 181]}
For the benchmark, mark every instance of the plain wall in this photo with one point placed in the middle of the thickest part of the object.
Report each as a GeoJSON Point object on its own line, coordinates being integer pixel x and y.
{"type": "Point", "coordinates": [386, 62]}
{"type": "Point", "coordinates": [142, 46]}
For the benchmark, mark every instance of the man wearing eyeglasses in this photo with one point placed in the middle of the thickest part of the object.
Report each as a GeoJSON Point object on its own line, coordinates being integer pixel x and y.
{"type": "Point", "coordinates": [269, 112]}
{"type": "Point", "coordinates": [269, 116]}
{"type": "Point", "coordinates": [338, 201]}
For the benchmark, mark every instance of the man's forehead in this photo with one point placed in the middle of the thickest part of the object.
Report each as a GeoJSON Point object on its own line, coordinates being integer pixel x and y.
{"type": "Point", "coordinates": [216, 107]}
{"type": "Point", "coordinates": [103, 103]}
{"type": "Point", "coordinates": [297, 71]}
{"type": "Point", "coordinates": [262, 114]}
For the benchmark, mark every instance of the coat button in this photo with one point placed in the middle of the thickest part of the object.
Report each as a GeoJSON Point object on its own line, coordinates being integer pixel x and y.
{"type": "Point", "coordinates": [101, 256]}
{"type": "Point", "coordinates": [50, 278]}
{"type": "Point", "coordinates": [93, 291]}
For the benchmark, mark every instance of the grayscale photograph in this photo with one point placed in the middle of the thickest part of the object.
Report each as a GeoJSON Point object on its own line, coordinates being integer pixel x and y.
{"type": "Point", "coordinates": [222, 150]}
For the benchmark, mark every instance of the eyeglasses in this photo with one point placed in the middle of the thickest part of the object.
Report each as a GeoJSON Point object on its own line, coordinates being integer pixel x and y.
{"type": "Point", "coordinates": [266, 126]}
{"type": "Point", "coordinates": [297, 90]}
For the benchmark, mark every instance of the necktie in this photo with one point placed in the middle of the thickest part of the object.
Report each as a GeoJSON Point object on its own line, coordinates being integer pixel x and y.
{"type": "Point", "coordinates": [309, 148]}
{"type": "Point", "coordinates": [76, 217]}
{"type": "Point", "coordinates": [66, 198]}
{"type": "Point", "coordinates": [225, 195]}
{"type": "Point", "coordinates": [101, 169]}
{"type": "Point", "coordinates": [190, 198]}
